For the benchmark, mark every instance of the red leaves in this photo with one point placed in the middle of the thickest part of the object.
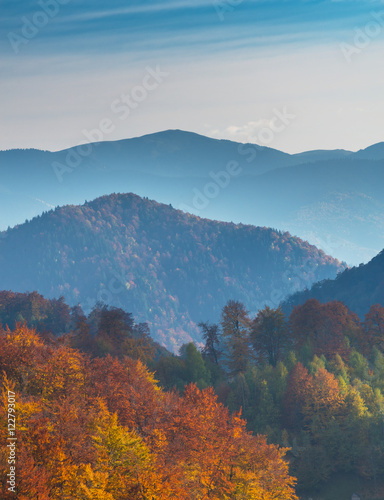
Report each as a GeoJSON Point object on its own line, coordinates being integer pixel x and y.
{"type": "Point", "coordinates": [103, 427]}
{"type": "Point", "coordinates": [324, 326]}
{"type": "Point", "coordinates": [298, 386]}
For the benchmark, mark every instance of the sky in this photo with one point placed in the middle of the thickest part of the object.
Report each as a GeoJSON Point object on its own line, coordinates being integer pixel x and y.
{"type": "Point", "coordinates": [292, 75]}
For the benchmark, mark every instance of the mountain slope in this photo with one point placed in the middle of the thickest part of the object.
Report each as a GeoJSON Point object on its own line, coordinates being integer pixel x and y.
{"type": "Point", "coordinates": [358, 287]}
{"type": "Point", "coordinates": [374, 152]}
{"type": "Point", "coordinates": [156, 165]}
{"type": "Point", "coordinates": [336, 205]}
{"type": "Point", "coordinates": [215, 179]}
{"type": "Point", "coordinates": [166, 267]}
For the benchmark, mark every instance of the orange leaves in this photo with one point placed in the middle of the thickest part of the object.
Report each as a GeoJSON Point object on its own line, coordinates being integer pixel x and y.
{"type": "Point", "coordinates": [103, 429]}
{"type": "Point", "coordinates": [298, 387]}
{"type": "Point", "coordinates": [128, 389]}
{"type": "Point", "coordinates": [263, 474]}
{"type": "Point", "coordinates": [312, 398]}
{"type": "Point", "coordinates": [221, 459]}
{"type": "Point", "coordinates": [199, 445]}
{"type": "Point", "coordinates": [61, 375]}
{"type": "Point", "coordinates": [19, 350]}
{"type": "Point", "coordinates": [324, 399]}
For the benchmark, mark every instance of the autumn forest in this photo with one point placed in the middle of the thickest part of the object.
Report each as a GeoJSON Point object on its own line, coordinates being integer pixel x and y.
{"type": "Point", "coordinates": [191, 250]}
{"type": "Point", "coordinates": [265, 408]}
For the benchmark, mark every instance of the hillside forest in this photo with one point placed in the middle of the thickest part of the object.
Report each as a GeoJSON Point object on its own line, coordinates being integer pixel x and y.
{"type": "Point", "coordinates": [168, 268]}
{"type": "Point", "coordinates": [105, 412]}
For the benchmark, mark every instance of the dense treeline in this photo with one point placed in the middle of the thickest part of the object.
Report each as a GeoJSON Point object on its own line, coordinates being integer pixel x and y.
{"type": "Point", "coordinates": [357, 287]}
{"type": "Point", "coordinates": [168, 268]}
{"type": "Point", "coordinates": [314, 383]}
{"type": "Point", "coordinates": [102, 428]}
{"type": "Point", "coordinates": [105, 330]}
{"type": "Point", "coordinates": [45, 315]}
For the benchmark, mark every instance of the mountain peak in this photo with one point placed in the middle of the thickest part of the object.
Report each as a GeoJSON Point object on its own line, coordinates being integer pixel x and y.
{"type": "Point", "coordinates": [167, 267]}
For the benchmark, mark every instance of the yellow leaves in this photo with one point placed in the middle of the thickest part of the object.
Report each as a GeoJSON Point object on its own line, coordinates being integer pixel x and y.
{"type": "Point", "coordinates": [355, 406]}
{"type": "Point", "coordinates": [237, 431]}
{"type": "Point", "coordinates": [158, 440]}
{"type": "Point", "coordinates": [61, 375]}
{"type": "Point", "coordinates": [92, 485]}
{"type": "Point", "coordinates": [7, 385]}
{"type": "Point", "coordinates": [23, 338]}
{"type": "Point", "coordinates": [123, 457]}
{"type": "Point", "coordinates": [216, 456]}
{"type": "Point", "coordinates": [104, 430]}
{"type": "Point", "coordinates": [24, 408]}
{"type": "Point", "coordinates": [142, 370]}
{"type": "Point", "coordinates": [18, 351]}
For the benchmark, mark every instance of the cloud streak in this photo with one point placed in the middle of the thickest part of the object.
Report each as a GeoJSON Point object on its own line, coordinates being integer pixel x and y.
{"type": "Point", "coordinates": [160, 24]}
{"type": "Point", "coordinates": [226, 75]}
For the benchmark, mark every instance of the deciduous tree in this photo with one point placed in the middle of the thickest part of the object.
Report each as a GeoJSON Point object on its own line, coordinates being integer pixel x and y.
{"type": "Point", "coordinates": [269, 334]}
{"type": "Point", "coordinates": [235, 324]}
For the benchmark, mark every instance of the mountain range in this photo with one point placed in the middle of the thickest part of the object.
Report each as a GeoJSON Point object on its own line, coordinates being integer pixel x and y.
{"type": "Point", "coordinates": [168, 268]}
{"type": "Point", "coordinates": [358, 288]}
{"type": "Point", "coordinates": [333, 199]}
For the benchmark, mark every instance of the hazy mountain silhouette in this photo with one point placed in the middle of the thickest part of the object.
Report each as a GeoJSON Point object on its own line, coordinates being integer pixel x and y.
{"type": "Point", "coordinates": [215, 179]}
{"type": "Point", "coordinates": [358, 287]}
{"type": "Point", "coordinates": [166, 267]}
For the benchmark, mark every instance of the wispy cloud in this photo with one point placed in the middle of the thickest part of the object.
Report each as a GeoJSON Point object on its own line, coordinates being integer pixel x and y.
{"type": "Point", "coordinates": [44, 203]}
{"type": "Point", "coordinates": [230, 74]}
{"type": "Point", "coordinates": [178, 23]}
{"type": "Point", "coordinates": [153, 8]}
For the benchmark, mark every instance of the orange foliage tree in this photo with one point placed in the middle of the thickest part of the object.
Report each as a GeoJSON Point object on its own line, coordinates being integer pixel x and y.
{"type": "Point", "coordinates": [102, 428]}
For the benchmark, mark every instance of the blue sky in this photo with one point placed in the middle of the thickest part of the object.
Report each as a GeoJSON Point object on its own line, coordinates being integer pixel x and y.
{"type": "Point", "coordinates": [232, 66]}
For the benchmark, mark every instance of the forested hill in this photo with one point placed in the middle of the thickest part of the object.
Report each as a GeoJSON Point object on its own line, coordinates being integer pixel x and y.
{"type": "Point", "coordinates": [333, 199]}
{"type": "Point", "coordinates": [168, 268]}
{"type": "Point", "coordinates": [358, 287]}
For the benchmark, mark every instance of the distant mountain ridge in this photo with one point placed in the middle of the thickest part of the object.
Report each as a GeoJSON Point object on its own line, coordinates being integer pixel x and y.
{"type": "Point", "coordinates": [264, 187]}
{"type": "Point", "coordinates": [358, 288]}
{"type": "Point", "coordinates": [374, 152]}
{"type": "Point", "coordinates": [168, 268]}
